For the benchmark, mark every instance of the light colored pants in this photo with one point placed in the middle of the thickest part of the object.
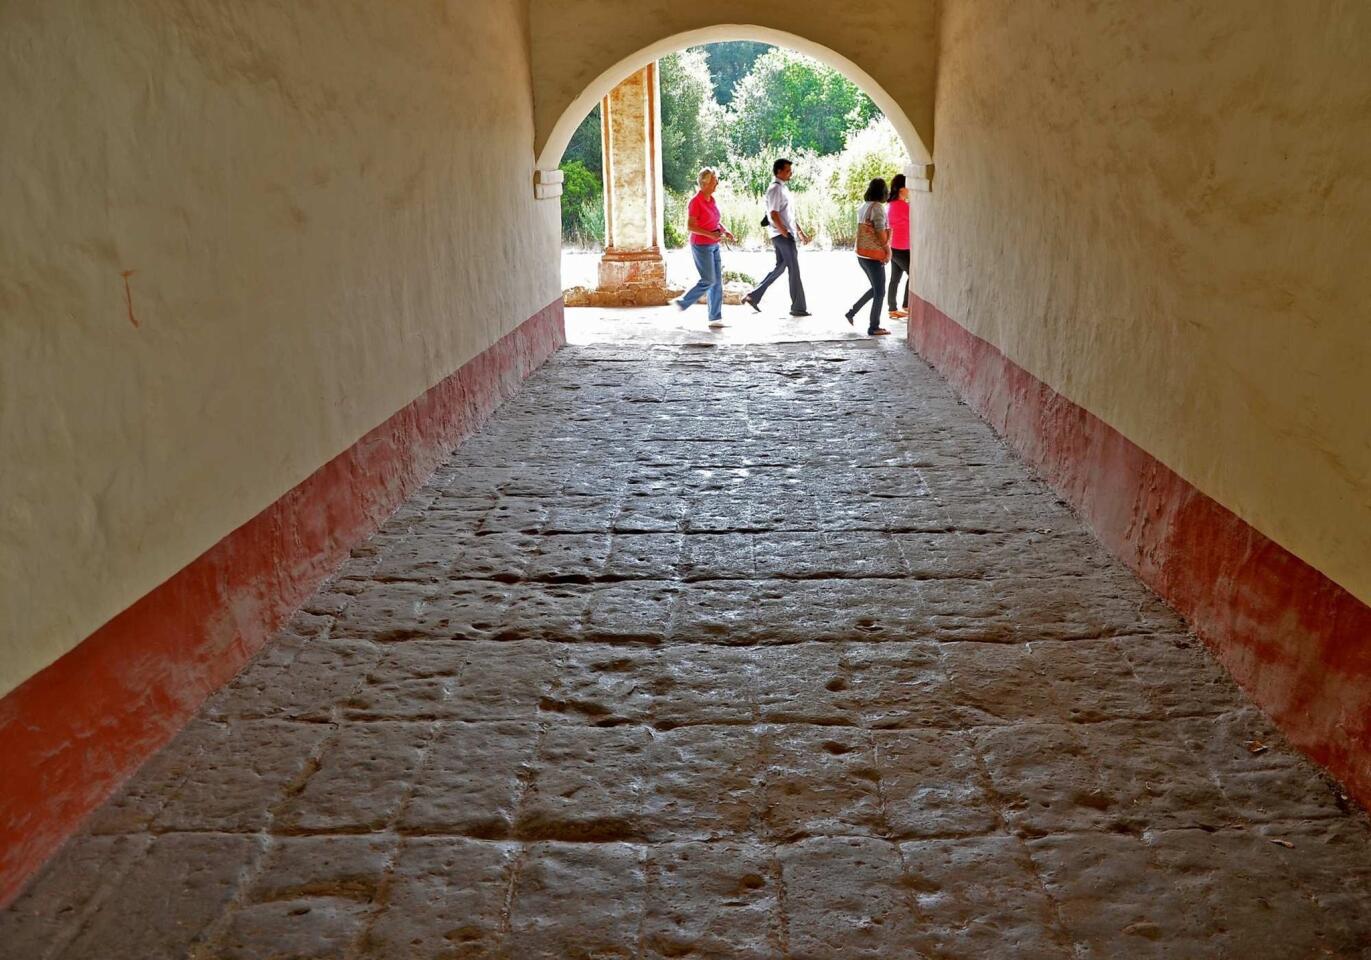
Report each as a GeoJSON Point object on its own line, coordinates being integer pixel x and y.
{"type": "Point", "coordinates": [711, 268]}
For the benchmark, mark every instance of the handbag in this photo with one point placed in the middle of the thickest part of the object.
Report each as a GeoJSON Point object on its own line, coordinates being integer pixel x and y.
{"type": "Point", "coordinates": [868, 247]}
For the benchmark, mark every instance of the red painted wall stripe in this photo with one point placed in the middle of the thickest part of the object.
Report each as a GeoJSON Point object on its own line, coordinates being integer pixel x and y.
{"type": "Point", "coordinates": [1298, 643]}
{"type": "Point", "coordinates": [71, 734]}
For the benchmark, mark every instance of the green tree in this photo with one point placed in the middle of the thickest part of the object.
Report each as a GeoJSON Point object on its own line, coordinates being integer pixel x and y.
{"type": "Point", "coordinates": [582, 168]}
{"type": "Point", "coordinates": [585, 144]}
{"type": "Point", "coordinates": [690, 118]}
{"type": "Point", "coordinates": [874, 151]}
{"type": "Point", "coordinates": [729, 62]}
{"type": "Point", "coordinates": [790, 100]}
{"type": "Point", "coordinates": [582, 198]}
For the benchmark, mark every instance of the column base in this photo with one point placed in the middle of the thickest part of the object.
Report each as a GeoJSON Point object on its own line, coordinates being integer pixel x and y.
{"type": "Point", "coordinates": [627, 279]}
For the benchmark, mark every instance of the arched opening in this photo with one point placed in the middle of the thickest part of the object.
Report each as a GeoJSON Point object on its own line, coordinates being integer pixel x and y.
{"type": "Point", "coordinates": [551, 151]}
{"type": "Point", "coordinates": [876, 139]}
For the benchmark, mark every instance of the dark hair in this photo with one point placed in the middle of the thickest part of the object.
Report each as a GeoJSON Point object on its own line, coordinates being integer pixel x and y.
{"type": "Point", "coordinates": [897, 183]}
{"type": "Point", "coordinates": [780, 165]}
{"type": "Point", "coordinates": [876, 192]}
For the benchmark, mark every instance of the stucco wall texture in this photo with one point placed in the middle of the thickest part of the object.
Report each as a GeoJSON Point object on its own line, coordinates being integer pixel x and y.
{"type": "Point", "coordinates": [893, 41]}
{"type": "Point", "coordinates": [325, 210]}
{"type": "Point", "coordinates": [1163, 212]}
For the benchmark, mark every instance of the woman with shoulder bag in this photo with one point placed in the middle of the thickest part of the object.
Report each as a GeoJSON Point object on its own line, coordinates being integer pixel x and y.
{"type": "Point", "coordinates": [873, 250]}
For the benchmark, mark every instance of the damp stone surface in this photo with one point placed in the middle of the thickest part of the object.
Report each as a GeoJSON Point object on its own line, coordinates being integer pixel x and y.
{"type": "Point", "coordinates": [744, 651]}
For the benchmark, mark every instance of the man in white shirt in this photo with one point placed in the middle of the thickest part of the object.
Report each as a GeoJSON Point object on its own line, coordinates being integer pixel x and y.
{"type": "Point", "coordinates": [785, 240]}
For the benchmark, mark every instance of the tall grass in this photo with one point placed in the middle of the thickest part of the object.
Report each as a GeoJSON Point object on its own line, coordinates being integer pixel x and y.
{"type": "Point", "coordinates": [826, 191]}
{"type": "Point", "coordinates": [832, 222]}
{"type": "Point", "coordinates": [586, 230]}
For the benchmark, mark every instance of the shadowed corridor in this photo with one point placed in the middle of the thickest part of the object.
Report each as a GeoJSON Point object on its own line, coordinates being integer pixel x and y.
{"type": "Point", "coordinates": [767, 650]}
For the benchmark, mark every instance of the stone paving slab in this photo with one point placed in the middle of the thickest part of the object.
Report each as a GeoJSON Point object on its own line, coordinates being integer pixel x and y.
{"type": "Point", "coordinates": [721, 652]}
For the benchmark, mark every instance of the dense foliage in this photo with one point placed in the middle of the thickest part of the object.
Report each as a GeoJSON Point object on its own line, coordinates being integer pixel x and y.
{"type": "Point", "coordinates": [791, 101]}
{"type": "Point", "coordinates": [737, 106]}
{"type": "Point", "coordinates": [692, 120]}
{"type": "Point", "coordinates": [730, 62]}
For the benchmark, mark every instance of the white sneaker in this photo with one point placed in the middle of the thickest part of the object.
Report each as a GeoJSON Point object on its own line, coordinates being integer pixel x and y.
{"type": "Point", "coordinates": [716, 324]}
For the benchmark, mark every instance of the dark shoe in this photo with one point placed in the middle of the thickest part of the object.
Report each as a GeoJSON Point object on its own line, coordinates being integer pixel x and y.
{"type": "Point", "coordinates": [752, 303]}
{"type": "Point", "coordinates": [800, 313]}
{"type": "Point", "coordinates": [849, 318]}
{"type": "Point", "coordinates": [878, 332]}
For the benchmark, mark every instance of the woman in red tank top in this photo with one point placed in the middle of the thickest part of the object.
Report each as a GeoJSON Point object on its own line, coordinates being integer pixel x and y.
{"type": "Point", "coordinates": [898, 214]}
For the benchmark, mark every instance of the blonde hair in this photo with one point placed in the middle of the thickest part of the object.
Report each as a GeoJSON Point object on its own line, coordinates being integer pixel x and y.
{"type": "Point", "coordinates": [706, 172]}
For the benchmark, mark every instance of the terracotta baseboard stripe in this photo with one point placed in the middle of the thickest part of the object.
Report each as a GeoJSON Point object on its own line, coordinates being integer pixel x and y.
{"type": "Point", "coordinates": [1298, 643]}
{"type": "Point", "coordinates": [72, 733]}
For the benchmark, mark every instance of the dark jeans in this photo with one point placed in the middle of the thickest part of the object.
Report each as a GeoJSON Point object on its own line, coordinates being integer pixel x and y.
{"type": "Point", "coordinates": [875, 273]}
{"type": "Point", "coordinates": [899, 264]}
{"type": "Point", "coordinates": [787, 258]}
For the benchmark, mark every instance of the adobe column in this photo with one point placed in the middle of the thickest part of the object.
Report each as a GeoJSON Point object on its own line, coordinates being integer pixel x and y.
{"type": "Point", "coordinates": [632, 270]}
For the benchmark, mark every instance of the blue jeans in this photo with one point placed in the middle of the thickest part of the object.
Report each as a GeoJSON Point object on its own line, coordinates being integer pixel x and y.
{"type": "Point", "coordinates": [875, 275]}
{"type": "Point", "coordinates": [711, 268]}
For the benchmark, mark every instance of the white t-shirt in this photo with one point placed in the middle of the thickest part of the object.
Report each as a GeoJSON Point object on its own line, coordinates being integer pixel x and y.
{"type": "Point", "coordinates": [778, 201]}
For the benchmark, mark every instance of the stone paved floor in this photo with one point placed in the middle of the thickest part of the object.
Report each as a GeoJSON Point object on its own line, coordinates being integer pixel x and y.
{"type": "Point", "coordinates": [747, 652]}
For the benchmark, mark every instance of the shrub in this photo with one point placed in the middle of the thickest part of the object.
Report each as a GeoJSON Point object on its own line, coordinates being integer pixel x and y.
{"type": "Point", "coordinates": [588, 229]}
{"type": "Point", "coordinates": [674, 219]}
{"type": "Point", "coordinates": [875, 151]}
{"type": "Point", "coordinates": [583, 213]}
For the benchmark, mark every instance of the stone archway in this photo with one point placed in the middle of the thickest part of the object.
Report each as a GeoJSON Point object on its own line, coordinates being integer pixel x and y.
{"type": "Point", "coordinates": [557, 115]}
{"type": "Point", "coordinates": [632, 270]}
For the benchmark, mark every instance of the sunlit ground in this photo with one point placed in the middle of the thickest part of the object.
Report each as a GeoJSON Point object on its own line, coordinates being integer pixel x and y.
{"type": "Point", "coordinates": [832, 280]}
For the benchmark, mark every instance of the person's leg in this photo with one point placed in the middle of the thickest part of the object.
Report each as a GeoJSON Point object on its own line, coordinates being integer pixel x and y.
{"type": "Point", "coordinates": [876, 271]}
{"type": "Point", "coordinates": [797, 288]}
{"type": "Point", "coordinates": [755, 296]}
{"type": "Point", "coordinates": [866, 294]}
{"type": "Point", "coordinates": [703, 266]}
{"type": "Point", "coordinates": [716, 286]}
{"type": "Point", "coordinates": [904, 303]}
{"type": "Point", "coordinates": [899, 266]}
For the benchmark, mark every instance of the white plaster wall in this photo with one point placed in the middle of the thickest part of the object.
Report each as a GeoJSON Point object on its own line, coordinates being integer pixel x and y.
{"type": "Point", "coordinates": [581, 50]}
{"type": "Point", "coordinates": [1163, 211]}
{"type": "Point", "coordinates": [327, 208]}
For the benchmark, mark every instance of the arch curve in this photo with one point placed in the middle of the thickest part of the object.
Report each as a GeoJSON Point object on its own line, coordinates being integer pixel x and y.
{"type": "Point", "coordinates": [559, 111]}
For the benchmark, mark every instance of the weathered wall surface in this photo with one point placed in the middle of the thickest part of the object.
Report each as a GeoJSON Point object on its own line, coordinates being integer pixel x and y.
{"type": "Point", "coordinates": [324, 209]}
{"type": "Point", "coordinates": [1163, 212]}
{"type": "Point", "coordinates": [893, 41]}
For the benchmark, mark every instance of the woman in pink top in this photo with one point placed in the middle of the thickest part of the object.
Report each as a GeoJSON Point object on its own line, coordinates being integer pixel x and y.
{"type": "Point", "coordinates": [898, 214]}
{"type": "Point", "coordinates": [706, 228]}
